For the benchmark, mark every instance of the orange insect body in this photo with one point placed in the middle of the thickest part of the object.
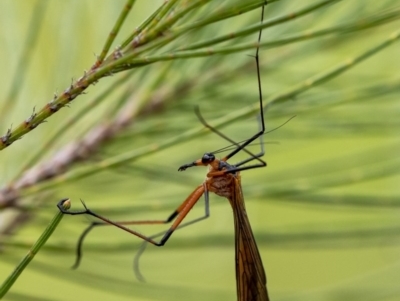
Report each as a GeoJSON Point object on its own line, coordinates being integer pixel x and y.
{"type": "Point", "coordinates": [221, 185]}
{"type": "Point", "coordinates": [250, 275]}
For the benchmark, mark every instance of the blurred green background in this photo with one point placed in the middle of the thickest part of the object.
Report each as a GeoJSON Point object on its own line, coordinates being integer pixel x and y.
{"type": "Point", "coordinates": [325, 212]}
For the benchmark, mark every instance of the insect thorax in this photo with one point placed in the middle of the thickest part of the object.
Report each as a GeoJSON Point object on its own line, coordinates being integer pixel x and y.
{"type": "Point", "coordinates": [221, 185]}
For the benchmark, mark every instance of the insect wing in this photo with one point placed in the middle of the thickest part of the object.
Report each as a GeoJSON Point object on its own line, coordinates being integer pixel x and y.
{"type": "Point", "coordinates": [250, 275]}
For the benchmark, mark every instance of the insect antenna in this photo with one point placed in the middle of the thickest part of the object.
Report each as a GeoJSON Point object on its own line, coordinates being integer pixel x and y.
{"type": "Point", "coordinates": [231, 146]}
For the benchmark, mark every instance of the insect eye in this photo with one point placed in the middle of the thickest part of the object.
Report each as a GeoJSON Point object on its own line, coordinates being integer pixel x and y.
{"type": "Point", "coordinates": [207, 158]}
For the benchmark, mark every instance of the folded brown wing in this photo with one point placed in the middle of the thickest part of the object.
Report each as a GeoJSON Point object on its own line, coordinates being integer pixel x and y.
{"type": "Point", "coordinates": [250, 276]}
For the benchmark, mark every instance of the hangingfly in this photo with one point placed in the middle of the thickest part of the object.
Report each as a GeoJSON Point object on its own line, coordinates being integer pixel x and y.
{"type": "Point", "coordinates": [222, 179]}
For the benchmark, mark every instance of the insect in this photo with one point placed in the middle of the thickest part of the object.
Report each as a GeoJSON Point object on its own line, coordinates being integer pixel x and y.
{"type": "Point", "coordinates": [224, 180]}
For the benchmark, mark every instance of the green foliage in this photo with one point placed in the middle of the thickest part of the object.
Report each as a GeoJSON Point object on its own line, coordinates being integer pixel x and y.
{"type": "Point", "coordinates": [324, 211]}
